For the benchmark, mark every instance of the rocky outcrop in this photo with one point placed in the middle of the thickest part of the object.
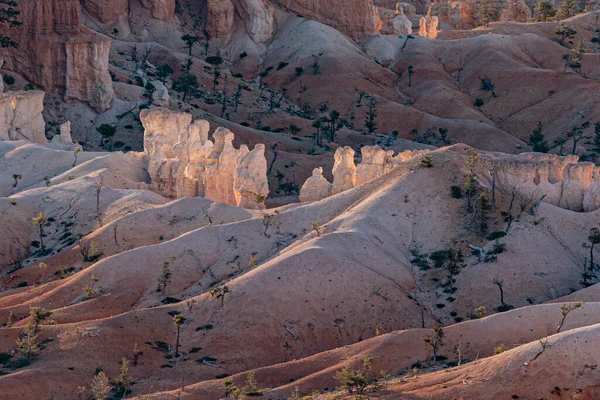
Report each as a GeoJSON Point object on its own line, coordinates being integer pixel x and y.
{"type": "Point", "coordinates": [344, 170]}
{"type": "Point", "coordinates": [251, 185]}
{"type": "Point", "coordinates": [106, 11]}
{"type": "Point", "coordinates": [87, 77]}
{"type": "Point", "coordinates": [21, 116]}
{"type": "Point", "coordinates": [258, 18]}
{"type": "Point", "coordinates": [401, 23]}
{"type": "Point", "coordinates": [221, 18]}
{"type": "Point", "coordinates": [64, 135]}
{"type": "Point", "coordinates": [163, 10]}
{"type": "Point", "coordinates": [516, 10]}
{"type": "Point", "coordinates": [428, 26]}
{"type": "Point", "coordinates": [160, 97]}
{"type": "Point", "coordinates": [446, 11]}
{"type": "Point", "coordinates": [355, 18]}
{"type": "Point", "coordinates": [316, 187]}
{"type": "Point", "coordinates": [219, 178]}
{"type": "Point", "coordinates": [58, 54]}
{"type": "Point", "coordinates": [183, 162]}
{"type": "Point", "coordinates": [560, 181]}
{"type": "Point", "coordinates": [375, 162]}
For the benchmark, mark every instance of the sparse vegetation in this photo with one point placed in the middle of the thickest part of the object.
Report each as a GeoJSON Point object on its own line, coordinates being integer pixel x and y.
{"type": "Point", "coordinates": [89, 289]}
{"type": "Point", "coordinates": [178, 320]}
{"type": "Point", "coordinates": [435, 341]}
{"type": "Point", "coordinates": [27, 342]}
{"type": "Point", "coordinates": [40, 220]}
{"type": "Point", "coordinates": [565, 309]}
{"type": "Point", "coordinates": [164, 278]}
{"type": "Point", "coordinates": [426, 162]}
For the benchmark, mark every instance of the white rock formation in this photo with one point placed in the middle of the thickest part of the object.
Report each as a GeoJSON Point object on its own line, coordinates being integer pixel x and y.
{"type": "Point", "coordinates": [344, 170]}
{"type": "Point", "coordinates": [183, 162]}
{"type": "Point", "coordinates": [561, 181]}
{"type": "Point", "coordinates": [259, 19]}
{"type": "Point", "coordinates": [251, 185]}
{"type": "Point", "coordinates": [21, 116]}
{"type": "Point", "coordinates": [375, 162]}
{"type": "Point", "coordinates": [64, 135]}
{"type": "Point", "coordinates": [401, 23]}
{"type": "Point", "coordinates": [316, 187]}
{"type": "Point", "coordinates": [160, 97]}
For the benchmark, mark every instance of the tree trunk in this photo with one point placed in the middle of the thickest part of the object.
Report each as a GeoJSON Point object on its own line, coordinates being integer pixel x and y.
{"type": "Point", "coordinates": [42, 238]}
{"type": "Point", "coordinates": [177, 342]}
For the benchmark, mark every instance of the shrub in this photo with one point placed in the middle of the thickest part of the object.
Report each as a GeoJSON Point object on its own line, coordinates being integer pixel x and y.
{"type": "Point", "coordinates": [282, 65]}
{"type": "Point", "coordinates": [214, 60]}
{"type": "Point", "coordinates": [496, 235]}
{"type": "Point", "coordinates": [8, 79]}
{"type": "Point", "coordinates": [478, 102]}
{"type": "Point", "coordinates": [426, 162]}
{"type": "Point", "coordinates": [456, 192]}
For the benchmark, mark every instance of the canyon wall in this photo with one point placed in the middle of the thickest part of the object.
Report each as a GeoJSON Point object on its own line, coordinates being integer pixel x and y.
{"type": "Point", "coordinates": [57, 54]}
{"type": "Point", "coordinates": [183, 162]}
{"type": "Point", "coordinates": [21, 116]}
{"type": "Point", "coordinates": [355, 18]}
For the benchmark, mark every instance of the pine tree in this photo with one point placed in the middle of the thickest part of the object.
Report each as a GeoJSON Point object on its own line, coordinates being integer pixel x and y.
{"type": "Point", "coordinates": [28, 342]}
{"type": "Point", "coordinates": [100, 387]}
{"type": "Point", "coordinates": [178, 320]}
{"type": "Point", "coordinates": [40, 220]}
{"type": "Point", "coordinates": [567, 9]}
{"type": "Point", "coordinates": [544, 11]}
{"type": "Point", "coordinates": [38, 314]}
{"type": "Point", "coordinates": [371, 117]}
{"type": "Point", "coordinates": [8, 17]}
{"type": "Point", "coordinates": [565, 32]}
{"type": "Point", "coordinates": [536, 140]}
{"type": "Point", "coordinates": [190, 40]}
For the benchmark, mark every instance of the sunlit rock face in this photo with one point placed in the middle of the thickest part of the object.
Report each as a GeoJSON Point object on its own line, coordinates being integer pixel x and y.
{"type": "Point", "coordinates": [183, 162]}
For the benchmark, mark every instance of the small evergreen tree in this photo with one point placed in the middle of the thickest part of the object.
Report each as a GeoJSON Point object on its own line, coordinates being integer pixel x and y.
{"type": "Point", "coordinates": [40, 220]}
{"type": "Point", "coordinates": [163, 72]}
{"type": "Point", "coordinates": [77, 150]}
{"type": "Point", "coordinates": [536, 140]}
{"type": "Point", "coordinates": [27, 342]}
{"type": "Point", "coordinates": [108, 133]}
{"type": "Point", "coordinates": [38, 314]}
{"type": "Point", "coordinates": [411, 72]}
{"type": "Point", "coordinates": [186, 84]}
{"type": "Point", "coordinates": [564, 32]}
{"type": "Point", "coordinates": [137, 352]}
{"type": "Point", "coordinates": [8, 17]}
{"type": "Point", "coordinates": [149, 91]}
{"type": "Point", "coordinates": [100, 387]}
{"type": "Point", "coordinates": [16, 177]}
{"type": "Point", "coordinates": [544, 11]}
{"type": "Point", "coordinates": [178, 320]}
{"type": "Point", "coordinates": [371, 117]}
{"type": "Point", "coordinates": [190, 40]}
{"type": "Point", "coordinates": [435, 341]}
{"type": "Point", "coordinates": [567, 9]}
